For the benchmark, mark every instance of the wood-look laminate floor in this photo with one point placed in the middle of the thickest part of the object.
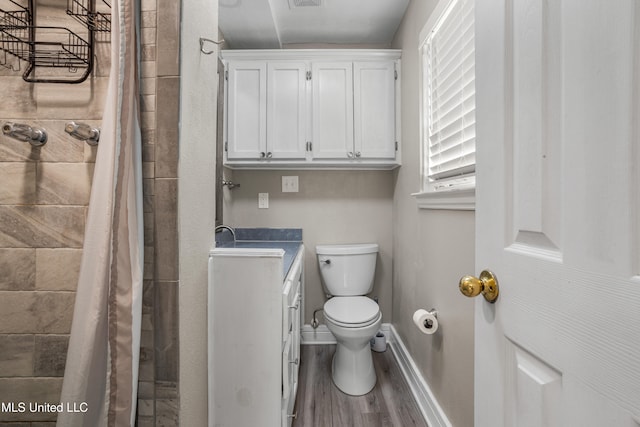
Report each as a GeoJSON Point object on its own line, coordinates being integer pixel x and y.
{"type": "Point", "coordinates": [320, 404]}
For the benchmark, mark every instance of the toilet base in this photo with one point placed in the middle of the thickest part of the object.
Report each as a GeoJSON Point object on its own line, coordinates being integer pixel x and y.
{"type": "Point", "coordinates": [353, 374]}
{"type": "Point", "coordinates": [352, 368]}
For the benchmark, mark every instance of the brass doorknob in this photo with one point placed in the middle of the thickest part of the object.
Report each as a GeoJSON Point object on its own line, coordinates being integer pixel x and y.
{"type": "Point", "coordinates": [487, 284]}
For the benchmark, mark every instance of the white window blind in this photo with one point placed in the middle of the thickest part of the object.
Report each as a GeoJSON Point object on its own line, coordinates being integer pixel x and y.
{"type": "Point", "coordinates": [449, 99]}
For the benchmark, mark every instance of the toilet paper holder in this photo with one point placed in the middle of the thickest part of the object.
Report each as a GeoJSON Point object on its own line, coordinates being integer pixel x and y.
{"type": "Point", "coordinates": [428, 323]}
{"type": "Point", "coordinates": [426, 320]}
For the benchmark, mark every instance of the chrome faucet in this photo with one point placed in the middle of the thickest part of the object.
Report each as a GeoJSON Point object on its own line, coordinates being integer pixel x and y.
{"type": "Point", "coordinates": [83, 132]}
{"type": "Point", "coordinates": [35, 136]}
{"type": "Point", "coordinates": [231, 230]}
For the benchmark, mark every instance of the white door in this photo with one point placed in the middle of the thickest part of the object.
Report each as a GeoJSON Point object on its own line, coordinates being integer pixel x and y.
{"type": "Point", "coordinates": [374, 109]}
{"type": "Point", "coordinates": [287, 110]}
{"type": "Point", "coordinates": [558, 191]}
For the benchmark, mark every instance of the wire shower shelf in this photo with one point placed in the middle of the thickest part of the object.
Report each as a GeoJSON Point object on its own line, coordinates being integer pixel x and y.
{"type": "Point", "coordinates": [50, 47]}
{"type": "Point", "coordinates": [85, 11]}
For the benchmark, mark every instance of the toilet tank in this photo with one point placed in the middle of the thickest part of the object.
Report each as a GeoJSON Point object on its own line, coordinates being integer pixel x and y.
{"type": "Point", "coordinates": [347, 270]}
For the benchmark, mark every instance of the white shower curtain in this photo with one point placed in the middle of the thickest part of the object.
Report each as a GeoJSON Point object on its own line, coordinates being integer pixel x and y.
{"type": "Point", "coordinates": [101, 373]}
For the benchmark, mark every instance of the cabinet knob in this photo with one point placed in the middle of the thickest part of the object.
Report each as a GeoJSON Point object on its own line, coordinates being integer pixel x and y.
{"type": "Point", "coordinates": [262, 154]}
{"type": "Point", "coordinates": [350, 154]}
{"type": "Point", "coordinates": [358, 154]}
{"type": "Point", "coordinates": [269, 155]}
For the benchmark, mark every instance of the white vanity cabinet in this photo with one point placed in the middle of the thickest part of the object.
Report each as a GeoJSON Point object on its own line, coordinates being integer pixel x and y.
{"type": "Point", "coordinates": [312, 109]}
{"type": "Point", "coordinates": [254, 336]}
{"type": "Point", "coordinates": [292, 317]}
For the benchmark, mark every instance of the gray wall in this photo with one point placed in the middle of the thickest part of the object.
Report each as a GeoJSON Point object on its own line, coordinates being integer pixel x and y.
{"type": "Point", "coordinates": [331, 207]}
{"type": "Point", "coordinates": [196, 202]}
{"type": "Point", "coordinates": [432, 250]}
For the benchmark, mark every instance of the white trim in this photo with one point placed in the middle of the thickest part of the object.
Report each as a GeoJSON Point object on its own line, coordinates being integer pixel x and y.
{"type": "Point", "coordinates": [309, 54]}
{"type": "Point", "coordinates": [317, 336]}
{"type": "Point", "coordinates": [314, 164]}
{"type": "Point", "coordinates": [462, 200]}
{"type": "Point", "coordinates": [435, 16]}
{"type": "Point", "coordinates": [247, 252]}
{"type": "Point", "coordinates": [426, 401]}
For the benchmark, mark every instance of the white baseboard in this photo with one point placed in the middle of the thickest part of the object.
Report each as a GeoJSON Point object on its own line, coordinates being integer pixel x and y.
{"type": "Point", "coordinates": [322, 334]}
{"type": "Point", "coordinates": [319, 335]}
{"type": "Point", "coordinates": [426, 401]}
{"type": "Point", "coordinates": [431, 410]}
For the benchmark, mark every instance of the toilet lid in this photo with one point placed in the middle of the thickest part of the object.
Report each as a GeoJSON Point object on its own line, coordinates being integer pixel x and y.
{"type": "Point", "coordinates": [351, 310]}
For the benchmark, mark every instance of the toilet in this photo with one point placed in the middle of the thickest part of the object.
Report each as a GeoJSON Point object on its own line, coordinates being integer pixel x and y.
{"type": "Point", "coordinates": [347, 272]}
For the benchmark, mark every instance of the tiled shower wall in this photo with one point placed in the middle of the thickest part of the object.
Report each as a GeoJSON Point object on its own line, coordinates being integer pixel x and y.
{"type": "Point", "coordinates": [158, 387]}
{"type": "Point", "coordinates": [44, 193]}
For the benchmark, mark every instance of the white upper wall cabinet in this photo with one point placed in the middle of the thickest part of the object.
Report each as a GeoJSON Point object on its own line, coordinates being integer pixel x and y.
{"type": "Point", "coordinates": [321, 109]}
{"type": "Point", "coordinates": [246, 110]}
{"type": "Point", "coordinates": [374, 109]}
{"type": "Point", "coordinates": [286, 110]}
{"type": "Point", "coordinates": [266, 110]}
{"type": "Point", "coordinates": [332, 94]}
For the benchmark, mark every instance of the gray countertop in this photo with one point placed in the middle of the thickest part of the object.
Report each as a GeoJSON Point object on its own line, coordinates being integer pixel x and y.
{"type": "Point", "coordinates": [287, 239]}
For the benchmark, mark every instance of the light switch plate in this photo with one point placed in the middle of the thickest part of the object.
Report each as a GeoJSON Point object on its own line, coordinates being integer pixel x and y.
{"type": "Point", "coordinates": [263, 200]}
{"type": "Point", "coordinates": [289, 184]}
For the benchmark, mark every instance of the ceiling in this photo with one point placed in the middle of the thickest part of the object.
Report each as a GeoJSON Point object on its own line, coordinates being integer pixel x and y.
{"type": "Point", "coordinates": [272, 24]}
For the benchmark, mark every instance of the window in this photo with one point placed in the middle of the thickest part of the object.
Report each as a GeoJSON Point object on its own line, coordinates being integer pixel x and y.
{"type": "Point", "coordinates": [448, 107]}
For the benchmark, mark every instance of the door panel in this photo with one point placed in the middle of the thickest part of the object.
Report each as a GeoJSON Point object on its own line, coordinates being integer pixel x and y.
{"type": "Point", "coordinates": [601, 132]}
{"type": "Point", "coordinates": [374, 109]}
{"type": "Point", "coordinates": [287, 110]}
{"type": "Point", "coordinates": [557, 212]}
{"type": "Point", "coordinates": [536, 143]}
{"type": "Point", "coordinates": [247, 109]}
{"type": "Point", "coordinates": [536, 389]}
{"type": "Point", "coordinates": [332, 109]}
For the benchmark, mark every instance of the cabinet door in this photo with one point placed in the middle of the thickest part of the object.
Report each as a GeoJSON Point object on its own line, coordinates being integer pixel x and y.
{"type": "Point", "coordinates": [246, 110]}
{"type": "Point", "coordinates": [286, 110]}
{"type": "Point", "coordinates": [332, 84]}
{"type": "Point", "coordinates": [374, 110]}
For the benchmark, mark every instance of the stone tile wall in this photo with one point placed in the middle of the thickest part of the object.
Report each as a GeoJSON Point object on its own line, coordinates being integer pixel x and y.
{"type": "Point", "coordinates": [166, 214]}
{"type": "Point", "coordinates": [158, 386]}
{"type": "Point", "coordinates": [44, 193]}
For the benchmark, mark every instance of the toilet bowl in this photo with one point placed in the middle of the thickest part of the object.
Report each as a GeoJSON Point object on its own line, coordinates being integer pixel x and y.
{"type": "Point", "coordinates": [352, 367]}
{"type": "Point", "coordinates": [353, 319]}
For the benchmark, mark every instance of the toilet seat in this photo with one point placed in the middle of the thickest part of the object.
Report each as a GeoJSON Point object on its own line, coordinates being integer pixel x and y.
{"type": "Point", "coordinates": [352, 312]}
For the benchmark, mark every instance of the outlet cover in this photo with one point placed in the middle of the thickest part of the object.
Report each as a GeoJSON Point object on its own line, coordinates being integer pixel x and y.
{"type": "Point", "coordinates": [263, 200]}
{"type": "Point", "coordinates": [289, 184]}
